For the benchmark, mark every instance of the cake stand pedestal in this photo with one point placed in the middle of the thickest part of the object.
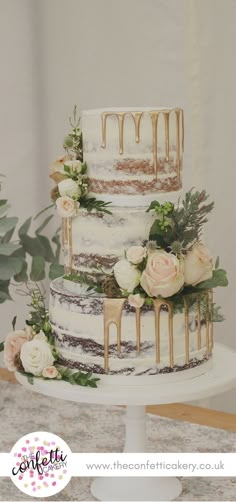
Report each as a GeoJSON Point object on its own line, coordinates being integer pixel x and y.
{"type": "Point", "coordinates": [221, 377]}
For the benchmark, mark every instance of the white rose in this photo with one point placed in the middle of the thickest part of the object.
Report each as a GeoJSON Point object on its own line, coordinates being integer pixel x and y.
{"type": "Point", "coordinates": [126, 275]}
{"type": "Point", "coordinates": [35, 356]}
{"type": "Point", "coordinates": [67, 207]}
{"type": "Point", "coordinates": [40, 336]}
{"type": "Point", "coordinates": [197, 265]}
{"type": "Point", "coordinates": [136, 301]}
{"type": "Point", "coordinates": [136, 254]}
{"type": "Point", "coordinates": [50, 372]}
{"type": "Point", "coordinates": [163, 275]}
{"type": "Point", "coordinates": [68, 187]}
{"type": "Point", "coordinates": [74, 165]}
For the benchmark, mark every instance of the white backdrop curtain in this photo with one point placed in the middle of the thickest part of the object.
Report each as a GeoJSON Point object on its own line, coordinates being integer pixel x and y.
{"type": "Point", "coordinates": [99, 53]}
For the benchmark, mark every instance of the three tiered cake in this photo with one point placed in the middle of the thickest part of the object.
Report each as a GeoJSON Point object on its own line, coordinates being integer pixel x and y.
{"type": "Point", "coordinates": [136, 300]}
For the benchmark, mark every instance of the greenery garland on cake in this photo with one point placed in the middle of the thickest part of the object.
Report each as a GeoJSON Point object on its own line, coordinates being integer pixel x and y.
{"type": "Point", "coordinates": [70, 174]}
{"type": "Point", "coordinates": [32, 351]}
{"type": "Point", "coordinates": [173, 264]}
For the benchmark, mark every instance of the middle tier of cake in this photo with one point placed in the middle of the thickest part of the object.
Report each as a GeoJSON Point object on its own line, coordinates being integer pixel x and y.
{"type": "Point", "coordinates": [94, 241]}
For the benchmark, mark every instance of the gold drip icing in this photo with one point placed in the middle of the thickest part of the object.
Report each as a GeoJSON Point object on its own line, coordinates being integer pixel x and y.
{"type": "Point", "coordinates": [177, 113]}
{"type": "Point", "coordinates": [70, 244]}
{"type": "Point", "coordinates": [207, 324]}
{"type": "Point", "coordinates": [186, 317]}
{"type": "Point", "coordinates": [157, 309]}
{"type": "Point", "coordinates": [67, 242]}
{"type": "Point", "coordinates": [154, 118]}
{"type": "Point", "coordinates": [211, 320]}
{"type": "Point", "coordinates": [138, 329]}
{"type": "Point", "coordinates": [112, 315]}
{"type": "Point", "coordinates": [167, 134]}
{"type": "Point", "coordinates": [199, 334]}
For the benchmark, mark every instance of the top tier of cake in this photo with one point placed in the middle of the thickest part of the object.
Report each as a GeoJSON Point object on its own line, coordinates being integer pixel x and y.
{"type": "Point", "coordinates": [133, 154]}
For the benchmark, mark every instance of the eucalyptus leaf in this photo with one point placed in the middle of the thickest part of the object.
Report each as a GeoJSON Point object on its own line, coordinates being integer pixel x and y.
{"type": "Point", "coordinates": [25, 227]}
{"type": "Point", "coordinates": [43, 211]}
{"type": "Point", "coordinates": [4, 207]}
{"type": "Point", "coordinates": [44, 224]}
{"type": "Point", "coordinates": [56, 270]}
{"type": "Point", "coordinates": [10, 266]}
{"type": "Point", "coordinates": [47, 249]}
{"type": "Point", "coordinates": [38, 269]}
{"type": "Point", "coordinates": [8, 235]}
{"type": "Point", "coordinates": [22, 276]}
{"type": "Point", "coordinates": [1, 346]}
{"type": "Point", "coordinates": [56, 240]}
{"type": "Point", "coordinates": [7, 224]}
{"type": "Point", "coordinates": [217, 263]}
{"type": "Point", "coordinates": [9, 248]}
{"type": "Point", "coordinates": [32, 245]}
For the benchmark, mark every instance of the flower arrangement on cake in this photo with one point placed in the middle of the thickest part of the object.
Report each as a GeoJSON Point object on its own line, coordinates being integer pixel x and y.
{"type": "Point", "coordinates": [173, 264]}
{"type": "Point", "coordinates": [70, 175]}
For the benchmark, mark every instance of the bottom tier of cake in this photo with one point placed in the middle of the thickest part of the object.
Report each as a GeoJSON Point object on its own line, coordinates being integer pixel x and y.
{"type": "Point", "coordinates": [181, 348]}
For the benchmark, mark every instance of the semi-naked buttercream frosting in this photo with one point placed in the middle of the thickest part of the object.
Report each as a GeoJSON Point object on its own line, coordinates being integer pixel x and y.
{"type": "Point", "coordinates": [133, 156]}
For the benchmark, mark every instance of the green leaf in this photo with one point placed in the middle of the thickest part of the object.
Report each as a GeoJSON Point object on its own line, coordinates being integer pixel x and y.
{"type": "Point", "coordinates": [219, 278]}
{"type": "Point", "coordinates": [25, 227]}
{"type": "Point", "coordinates": [38, 269]}
{"type": "Point", "coordinates": [22, 276]}
{"type": "Point", "coordinates": [43, 211]}
{"type": "Point", "coordinates": [1, 346]}
{"type": "Point", "coordinates": [32, 245]}
{"type": "Point", "coordinates": [217, 263]}
{"type": "Point", "coordinates": [14, 322]}
{"type": "Point", "coordinates": [7, 224]}
{"type": "Point", "coordinates": [56, 270]}
{"type": "Point", "coordinates": [153, 205]}
{"type": "Point", "coordinates": [47, 249]}
{"type": "Point", "coordinates": [57, 240]}
{"type": "Point", "coordinates": [44, 224]}
{"type": "Point", "coordinates": [7, 237]}
{"type": "Point", "coordinates": [4, 206]}
{"type": "Point", "coordinates": [10, 266]}
{"type": "Point", "coordinates": [8, 248]}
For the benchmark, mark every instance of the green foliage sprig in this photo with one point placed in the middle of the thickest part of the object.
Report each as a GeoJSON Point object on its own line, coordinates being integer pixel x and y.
{"type": "Point", "coordinates": [73, 142]}
{"type": "Point", "coordinates": [78, 377]}
{"type": "Point", "coordinates": [26, 257]}
{"type": "Point", "coordinates": [91, 203]}
{"type": "Point", "coordinates": [176, 228]}
{"type": "Point", "coordinates": [92, 283]}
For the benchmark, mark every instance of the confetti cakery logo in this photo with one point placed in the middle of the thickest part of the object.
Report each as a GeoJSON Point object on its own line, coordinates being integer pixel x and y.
{"type": "Point", "coordinates": [41, 464]}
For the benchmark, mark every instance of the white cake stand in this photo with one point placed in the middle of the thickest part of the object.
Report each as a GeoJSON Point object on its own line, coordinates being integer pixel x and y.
{"type": "Point", "coordinates": [218, 379]}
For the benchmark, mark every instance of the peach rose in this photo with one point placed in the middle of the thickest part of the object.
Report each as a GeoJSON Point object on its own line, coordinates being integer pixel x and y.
{"type": "Point", "coordinates": [50, 372]}
{"type": "Point", "coordinates": [197, 265]}
{"type": "Point", "coordinates": [66, 206]}
{"type": "Point", "coordinates": [136, 301]}
{"type": "Point", "coordinates": [136, 254]}
{"type": "Point", "coordinates": [163, 275]}
{"type": "Point", "coordinates": [12, 348]}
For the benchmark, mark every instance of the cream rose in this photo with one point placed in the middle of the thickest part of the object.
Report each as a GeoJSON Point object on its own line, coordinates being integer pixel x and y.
{"type": "Point", "coordinates": [66, 207]}
{"type": "Point", "coordinates": [50, 372]}
{"type": "Point", "coordinates": [126, 275]}
{"type": "Point", "coordinates": [197, 265]}
{"type": "Point", "coordinates": [12, 347]}
{"type": "Point", "coordinates": [35, 356]}
{"type": "Point", "coordinates": [163, 275]}
{"type": "Point", "coordinates": [74, 165]}
{"type": "Point", "coordinates": [136, 254]}
{"type": "Point", "coordinates": [58, 165]}
{"type": "Point", "coordinates": [136, 301]}
{"type": "Point", "coordinates": [68, 187]}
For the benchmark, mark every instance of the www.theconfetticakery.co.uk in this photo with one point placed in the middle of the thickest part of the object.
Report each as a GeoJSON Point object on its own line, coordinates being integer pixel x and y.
{"type": "Point", "coordinates": [41, 464]}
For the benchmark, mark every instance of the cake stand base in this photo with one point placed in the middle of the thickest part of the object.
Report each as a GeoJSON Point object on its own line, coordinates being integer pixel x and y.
{"type": "Point", "coordinates": [144, 488]}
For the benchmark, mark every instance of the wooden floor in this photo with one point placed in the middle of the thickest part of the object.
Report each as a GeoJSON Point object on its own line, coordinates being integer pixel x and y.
{"type": "Point", "coordinates": [193, 414]}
